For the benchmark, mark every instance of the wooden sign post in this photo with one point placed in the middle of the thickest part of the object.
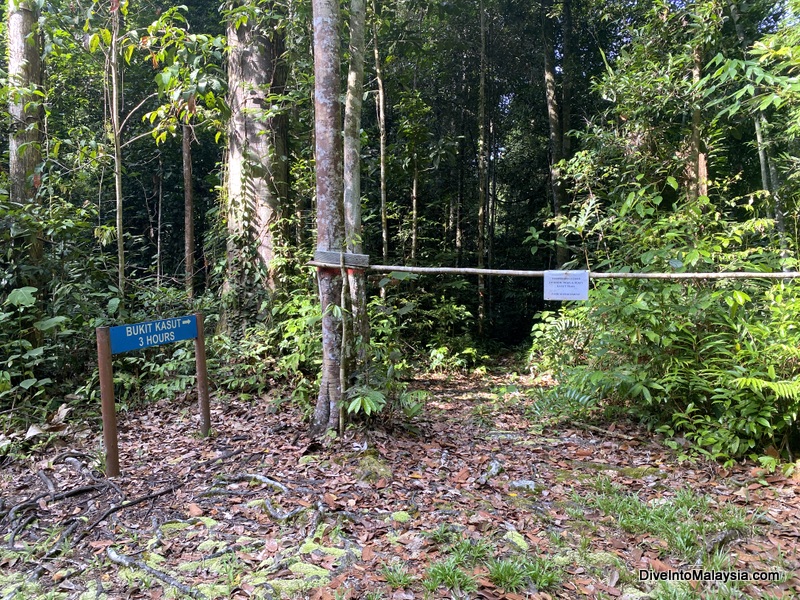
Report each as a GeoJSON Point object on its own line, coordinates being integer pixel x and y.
{"type": "Point", "coordinates": [113, 340]}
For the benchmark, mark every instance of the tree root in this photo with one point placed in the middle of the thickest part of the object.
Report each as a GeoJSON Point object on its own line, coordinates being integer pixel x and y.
{"type": "Point", "coordinates": [255, 476]}
{"type": "Point", "coordinates": [51, 486]}
{"type": "Point", "coordinates": [130, 562]}
{"type": "Point", "coordinates": [12, 537]}
{"type": "Point", "coordinates": [126, 504]}
{"type": "Point", "coordinates": [55, 549]}
{"type": "Point", "coordinates": [33, 502]}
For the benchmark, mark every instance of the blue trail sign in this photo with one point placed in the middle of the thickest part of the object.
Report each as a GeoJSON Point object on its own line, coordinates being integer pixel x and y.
{"type": "Point", "coordinates": [113, 340]}
{"type": "Point", "coordinates": [152, 333]}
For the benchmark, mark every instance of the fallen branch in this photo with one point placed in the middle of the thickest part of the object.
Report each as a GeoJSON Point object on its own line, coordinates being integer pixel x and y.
{"type": "Point", "coordinates": [130, 562]}
{"type": "Point", "coordinates": [615, 434]}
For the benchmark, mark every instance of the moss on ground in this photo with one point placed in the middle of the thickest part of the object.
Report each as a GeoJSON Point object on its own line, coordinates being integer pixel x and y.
{"type": "Point", "coordinates": [516, 540]}
{"type": "Point", "coordinates": [372, 469]}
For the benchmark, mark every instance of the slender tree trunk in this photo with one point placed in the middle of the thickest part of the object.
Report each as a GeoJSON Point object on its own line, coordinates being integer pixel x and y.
{"type": "Point", "coordinates": [188, 211]}
{"type": "Point", "coordinates": [330, 218]}
{"type": "Point", "coordinates": [570, 69]}
{"type": "Point", "coordinates": [762, 153]}
{"type": "Point", "coordinates": [769, 173]}
{"type": "Point", "coordinates": [117, 134]}
{"type": "Point", "coordinates": [380, 107]}
{"type": "Point", "coordinates": [554, 122]}
{"type": "Point", "coordinates": [461, 161]}
{"type": "Point", "coordinates": [414, 210]}
{"type": "Point", "coordinates": [699, 171]}
{"type": "Point", "coordinates": [24, 107]}
{"type": "Point", "coordinates": [482, 172]}
{"type": "Point", "coordinates": [775, 184]}
{"type": "Point", "coordinates": [352, 183]}
{"type": "Point", "coordinates": [160, 212]}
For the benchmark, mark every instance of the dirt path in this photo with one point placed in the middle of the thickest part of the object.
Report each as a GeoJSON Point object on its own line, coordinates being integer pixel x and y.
{"type": "Point", "coordinates": [261, 511]}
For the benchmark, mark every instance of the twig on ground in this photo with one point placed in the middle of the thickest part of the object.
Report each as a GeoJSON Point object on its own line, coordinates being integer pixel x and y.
{"type": "Point", "coordinates": [130, 562]}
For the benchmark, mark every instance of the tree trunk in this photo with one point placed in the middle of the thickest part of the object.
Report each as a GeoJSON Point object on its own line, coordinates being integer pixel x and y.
{"type": "Point", "coordinates": [330, 218]}
{"type": "Point", "coordinates": [257, 162]}
{"type": "Point", "coordinates": [554, 123]}
{"type": "Point", "coordinates": [569, 71]}
{"type": "Point", "coordinates": [482, 172]}
{"type": "Point", "coordinates": [769, 173]}
{"type": "Point", "coordinates": [117, 135]}
{"type": "Point", "coordinates": [352, 186]}
{"type": "Point", "coordinates": [380, 107]}
{"type": "Point", "coordinates": [24, 107]}
{"type": "Point", "coordinates": [461, 163]}
{"type": "Point", "coordinates": [414, 209]}
{"type": "Point", "coordinates": [188, 211]}
{"type": "Point", "coordinates": [699, 167]}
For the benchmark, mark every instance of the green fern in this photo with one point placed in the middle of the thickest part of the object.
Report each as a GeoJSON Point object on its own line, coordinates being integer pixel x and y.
{"type": "Point", "coordinates": [787, 390]}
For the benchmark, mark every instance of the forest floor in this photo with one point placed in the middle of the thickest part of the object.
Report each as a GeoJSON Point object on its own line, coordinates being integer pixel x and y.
{"type": "Point", "coordinates": [485, 497]}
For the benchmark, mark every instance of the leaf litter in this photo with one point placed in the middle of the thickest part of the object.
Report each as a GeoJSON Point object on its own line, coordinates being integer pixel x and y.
{"type": "Point", "coordinates": [260, 510]}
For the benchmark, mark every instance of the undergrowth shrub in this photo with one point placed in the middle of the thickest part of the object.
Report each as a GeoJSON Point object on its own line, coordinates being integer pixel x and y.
{"type": "Point", "coordinates": [718, 364]}
{"type": "Point", "coordinates": [49, 306]}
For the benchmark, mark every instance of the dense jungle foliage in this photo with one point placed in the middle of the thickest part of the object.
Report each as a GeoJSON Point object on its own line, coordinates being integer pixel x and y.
{"type": "Point", "coordinates": [616, 136]}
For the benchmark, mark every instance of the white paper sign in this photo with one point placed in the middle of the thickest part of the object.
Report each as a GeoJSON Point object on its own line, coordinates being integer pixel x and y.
{"type": "Point", "coordinates": [566, 285]}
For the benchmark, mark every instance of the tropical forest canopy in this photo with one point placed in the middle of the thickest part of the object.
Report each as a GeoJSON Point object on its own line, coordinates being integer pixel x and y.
{"type": "Point", "coordinates": [167, 159]}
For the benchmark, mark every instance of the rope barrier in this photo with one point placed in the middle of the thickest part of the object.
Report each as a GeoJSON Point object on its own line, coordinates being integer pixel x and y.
{"type": "Point", "coordinates": [592, 274]}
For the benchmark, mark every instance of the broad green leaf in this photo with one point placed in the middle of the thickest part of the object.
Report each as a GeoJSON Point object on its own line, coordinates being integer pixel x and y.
{"type": "Point", "coordinates": [22, 296]}
{"type": "Point", "coordinates": [406, 308]}
{"type": "Point", "coordinates": [28, 383]}
{"type": "Point", "coordinates": [49, 323]}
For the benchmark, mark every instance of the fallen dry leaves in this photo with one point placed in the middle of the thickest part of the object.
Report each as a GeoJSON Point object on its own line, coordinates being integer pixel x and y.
{"type": "Point", "coordinates": [433, 479]}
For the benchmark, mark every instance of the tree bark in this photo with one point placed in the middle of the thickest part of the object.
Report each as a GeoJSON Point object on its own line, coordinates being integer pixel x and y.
{"type": "Point", "coordinates": [330, 218]}
{"type": "Point", "coordinates": [769, 173]}
{"type": "Point", "coordinates": [699, 166]}
{"type": "Point", "coordinates": [117, 135]}
{"type": "Point", "coordinates": [380, 107]}
{"type": "Point", "coordinates": [554, 122]}
{"type": "Point", "coordinates": [352, 186]}
{"type": "Point", "coordinates": [569, 71]}
{"type": "Point", "coordinates": [25, 77]}
{"type": "Point", "coordinates": [188, 211]}
{"type": "Point", "coordinates": [482, 172]}
{"type": "Point", "coordinates": [257, 161]}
